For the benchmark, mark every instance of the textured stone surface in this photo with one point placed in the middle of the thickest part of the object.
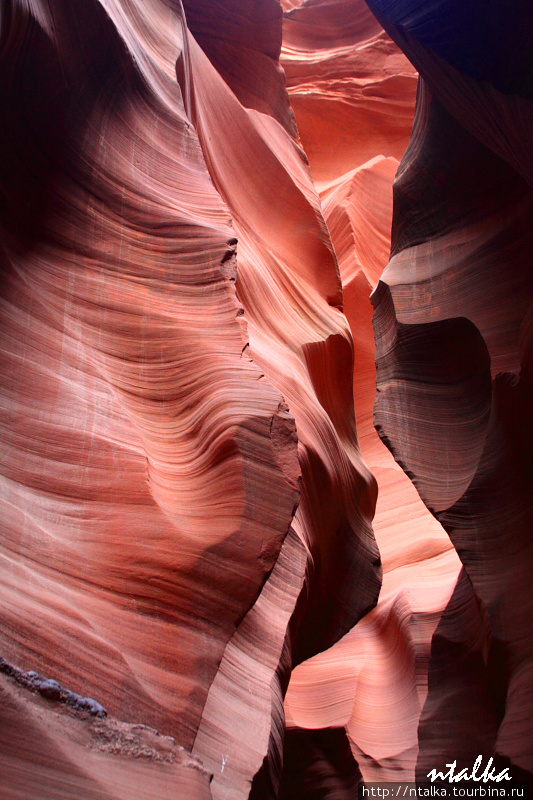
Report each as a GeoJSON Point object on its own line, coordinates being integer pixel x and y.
{"type": "Point", "coordinates": [138, 462]}
{"type": "Point", "coordinates": [196, 202]}
{"type": "Point", "coordinates": [52, 752]}
{"type": "Point", "coordinates": [453, 326]}
{"type": "Point", "coordinates": [164, 436]}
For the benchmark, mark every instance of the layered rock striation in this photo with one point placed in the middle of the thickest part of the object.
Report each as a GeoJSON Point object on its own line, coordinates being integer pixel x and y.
{"type": "Point", "coordinates": [185, 507]}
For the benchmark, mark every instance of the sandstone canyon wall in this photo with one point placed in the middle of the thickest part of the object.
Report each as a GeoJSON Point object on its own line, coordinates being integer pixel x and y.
{"type": "Point", "coordinates": [163, 509]}
{"type": "Point", "coordinates": [453, 329]}
{"type": "Point", "coordinates": [196, 205]}
{"type": "Point", "coordinates": [354, 93]}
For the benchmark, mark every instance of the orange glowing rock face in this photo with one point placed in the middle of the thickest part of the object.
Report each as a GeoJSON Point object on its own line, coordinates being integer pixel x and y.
{"type": "Point", "coordinates": [441, 669]}
{"type": "Point", "coordinates": [353, 94]}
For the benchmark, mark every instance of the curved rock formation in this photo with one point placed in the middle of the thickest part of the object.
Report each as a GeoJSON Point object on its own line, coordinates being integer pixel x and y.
{"type": "Point", "coordinates": [343, 71]}
{"type": "Point", "coordinates": [453, 326]}
{"type": "Point", "coordinates": [185, 507]}
{"type": "Point", "coordinates": [185, 324]}
{"type": "Point", "coordinates": [137, 439]}
{"type": "Point", "coordinates": [290, 289]}
{"type": "Point", "coordinates": [351, 89]}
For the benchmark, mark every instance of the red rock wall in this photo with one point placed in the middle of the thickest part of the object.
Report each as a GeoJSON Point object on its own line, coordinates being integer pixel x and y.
{"type": "Point", "coordinates": [134, 428]}
{"type": "Point", "coordinates": [353, 94]}
{"type": "Point", "coordinates": [196, 204]}
{"type": "Point", "coordinates": [167, 441]}
{"type": "Point", "coordinates": [453, 327]}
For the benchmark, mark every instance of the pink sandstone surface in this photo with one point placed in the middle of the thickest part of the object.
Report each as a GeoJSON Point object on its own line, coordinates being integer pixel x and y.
{"type": "Point", "coordinates": [196, 205]}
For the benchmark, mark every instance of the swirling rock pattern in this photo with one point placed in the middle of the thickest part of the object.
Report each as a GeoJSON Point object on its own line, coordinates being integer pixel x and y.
{"type": "Point", "coordinates": [453, 326]}
{"type": "Point", "coordinates": [138, 453]}
{"type": "Point", "coordinates": [185, 508]}
{"type": "Point", "coordinates": [290, 289]}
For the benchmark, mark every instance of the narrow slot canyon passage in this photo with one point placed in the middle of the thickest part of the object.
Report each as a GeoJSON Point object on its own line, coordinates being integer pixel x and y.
{"type": "Point", "coordinates": [450, 674]}
{"type": "Point", "coordinates": [355, 122]}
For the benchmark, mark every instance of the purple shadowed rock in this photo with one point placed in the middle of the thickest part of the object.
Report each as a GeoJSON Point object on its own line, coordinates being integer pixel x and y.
{"type": "Point", "coordinates": [90, 705]}
{"type": "Point", "coordinates": [50, 689]}
{"type": "Point", "coordinates": [71, 698]}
